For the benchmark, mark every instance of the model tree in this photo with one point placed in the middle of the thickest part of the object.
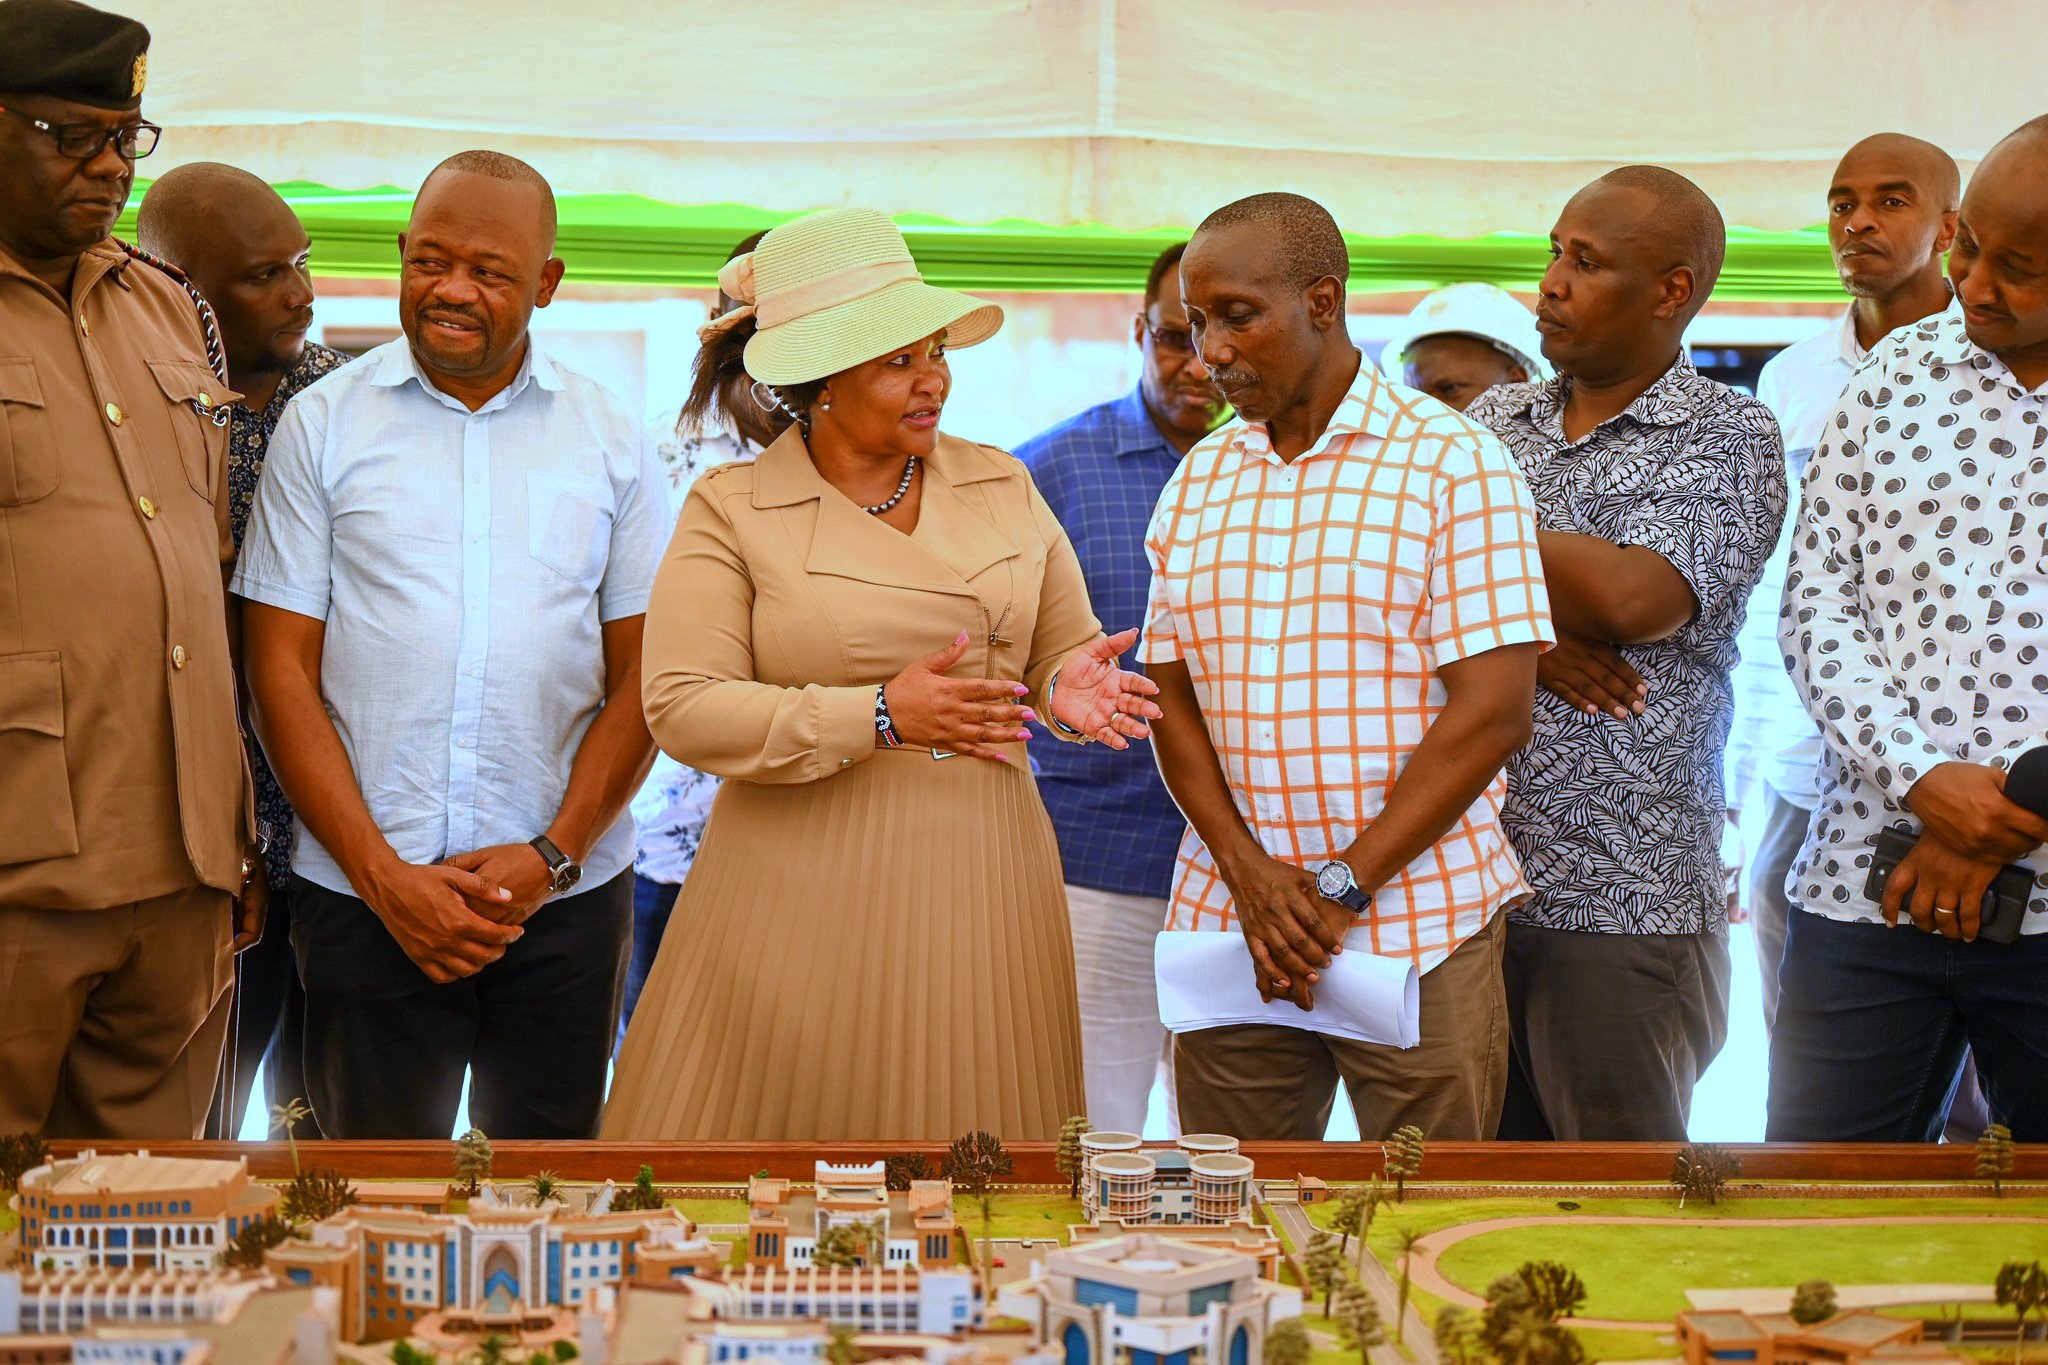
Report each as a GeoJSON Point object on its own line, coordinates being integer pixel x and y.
{"type": "Point", "coordinates": [285, 1118]}
{"type": "Point", "coordinates": [245, 1249]}
{"type": "Point", "coordinates": [1554, 1291]}
{"type": "Point", "coordinates": [899, 1171]}
{"type": "Point", "coordinates": [1322, 1265]}
{"type": "Point", "coordinates": [1287, 1343]}
{"type": "Point", "coordinates": [840, 1347]}
{"type": "Point", "coordinates": [1409, 1238]}
{"type": "Point", "coordinates": [1521, 1326]}
{"type": "Point", "coordinates": [1358, 1318]}
{"type": "Point", "coordinates": [405, 1353]}
{"type": "Point", "coordinates": [1066, 1158]}
{"type": "Point", "coordinates": [472, 1160]}
{"type": "Point", "coordinates": [545, 1185]}
{"type": "Point", "coordinates": [1456, 1333]}
{"type": "Point", "coordinates": [1994, 1157]}
{"type": "Point", "coordinates": [21, 1153]}
{"type": "Point", "coordinates": [973, 1164]}
{"type": "Point", "coordinates": [2023, 1287]}
{"type": "Point", "coordinates": [1347, 1219]}
{"type": "Point", "coordinates": [1403, 1156]}
{"type": "Point", "coordinates": [566, 1350]}
{"type": "Point", "coordinates": [642, 1196]}
{"type": "Point", "coordinates": [492, 1350]}
{"type": "Point", "coordinates": [316, 1194]}
{"type": "Point", "coordinates": [1812, 1302]}
{"type": "Point", "coordinates": [1702, 1170]}
{"type": "Point", "coordinates": [844, 1245]}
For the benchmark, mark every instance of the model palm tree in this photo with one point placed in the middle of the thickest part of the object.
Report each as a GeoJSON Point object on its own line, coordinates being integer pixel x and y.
{"type": "Point", "coordinates": [1408, 1239]}
{"type": "Point", "coordinates": [286, 1118]}
{"type": "Point", "coordinates": [545, 1185]}
{"type": "Point", "coordinates": [2023, 1287]}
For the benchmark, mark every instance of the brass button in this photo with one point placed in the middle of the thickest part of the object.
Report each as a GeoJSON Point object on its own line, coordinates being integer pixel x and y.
{"type": "Point", "coordinates": [148, 507]}
{"type": "Point", "coordinates": [84, 327]}
{"type": "Point", "coordinates": [846, 763]}
{"type": "Point", "coordinates": [178, 656]}
{"type": "Point", "coordinates": [113, 414]}
{"type": "Point", "coordinates": [205, 399]}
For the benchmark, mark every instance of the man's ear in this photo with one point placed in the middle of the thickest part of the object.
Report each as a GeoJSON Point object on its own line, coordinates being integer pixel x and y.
{"type": "Point", "coordinates": [1675, 292]}
{"type": "Point", "coordinates": [550, 280]}
{"type": "Point", "coordinates": [1946, 238]}
{"type": "Point", "coordinates": [1326, 302]}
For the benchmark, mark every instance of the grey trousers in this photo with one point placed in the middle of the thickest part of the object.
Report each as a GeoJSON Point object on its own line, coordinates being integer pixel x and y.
{"type": "Point", "coordinates": [1784, 832]}
{"type": "Point", "coordinates": [1610, 1032]}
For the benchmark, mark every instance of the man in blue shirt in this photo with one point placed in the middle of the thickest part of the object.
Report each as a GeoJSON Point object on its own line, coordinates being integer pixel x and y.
{"type": "Point", "coordinates": [1101, 473]}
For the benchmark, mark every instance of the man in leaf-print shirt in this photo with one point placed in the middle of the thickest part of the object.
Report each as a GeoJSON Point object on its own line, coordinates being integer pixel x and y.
{"type": "Point", "coordinates": [1659, 494]}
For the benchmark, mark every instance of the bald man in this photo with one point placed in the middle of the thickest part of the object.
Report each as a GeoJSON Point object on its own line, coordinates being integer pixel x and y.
{"type": "Point", "coordinates": [1891, 218]}
{"type": "Point", "coordinates": [244, 249]}
{"type": "Point", "coordinates": [1914, 632]}
{"type": "Point", "coordinates": [1659, 494]}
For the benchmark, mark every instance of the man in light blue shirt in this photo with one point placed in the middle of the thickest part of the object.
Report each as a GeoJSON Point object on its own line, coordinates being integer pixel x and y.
{"type": "Point", "coordinates": [445, 577]}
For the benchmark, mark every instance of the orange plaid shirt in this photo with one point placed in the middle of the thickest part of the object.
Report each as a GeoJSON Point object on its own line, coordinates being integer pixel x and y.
{"type": "Point", "coordinates": [1313, 603]}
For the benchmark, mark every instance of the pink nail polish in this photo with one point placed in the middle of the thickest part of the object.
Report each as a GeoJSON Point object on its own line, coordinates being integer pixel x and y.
{"type": "Point", "coordinates": [1024, 735]}
{"type": "Point", "coordinates": [1030, 715]}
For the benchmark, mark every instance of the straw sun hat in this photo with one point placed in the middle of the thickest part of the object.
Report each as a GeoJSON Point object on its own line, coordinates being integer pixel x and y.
{"type": "Point", "coordinates": [832, 290]}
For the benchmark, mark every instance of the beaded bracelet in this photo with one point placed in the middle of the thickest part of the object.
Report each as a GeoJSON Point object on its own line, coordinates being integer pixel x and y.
{"type": "Point", "coordinates": [885, 727]}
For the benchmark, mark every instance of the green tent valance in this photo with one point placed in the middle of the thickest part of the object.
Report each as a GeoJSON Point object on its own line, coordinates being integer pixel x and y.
{"type": "Point", "coordinates": [628, 239]}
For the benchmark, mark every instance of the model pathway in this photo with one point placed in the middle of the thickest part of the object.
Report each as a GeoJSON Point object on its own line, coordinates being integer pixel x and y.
{"type": "Point", "coordinates": [1425, 1273]}
{"type": "Point", "coordinates": [1294, 1221]}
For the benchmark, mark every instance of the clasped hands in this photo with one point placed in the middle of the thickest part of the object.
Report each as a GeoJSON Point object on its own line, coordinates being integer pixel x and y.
{"type": "Point", "coordinates": [455, 918]}
{"type": "Point", "coordinates": [1970, 831]}
{"type": "Point", "coordinates": [1292, 930]}
{"type": "Point", "coordinates": [975, 716]}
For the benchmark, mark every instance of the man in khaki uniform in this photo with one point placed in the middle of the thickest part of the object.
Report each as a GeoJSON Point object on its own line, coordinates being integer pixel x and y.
{"type": "Point", "coordinates": [124, 826]}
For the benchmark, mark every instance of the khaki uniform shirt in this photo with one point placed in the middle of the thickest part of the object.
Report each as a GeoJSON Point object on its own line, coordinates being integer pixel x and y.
{"type": "Point", "coordinates": [121, 769]}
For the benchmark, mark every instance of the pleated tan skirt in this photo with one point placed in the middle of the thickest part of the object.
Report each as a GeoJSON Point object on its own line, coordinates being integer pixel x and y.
{"type": "Point", "coordinates": [880, 955]}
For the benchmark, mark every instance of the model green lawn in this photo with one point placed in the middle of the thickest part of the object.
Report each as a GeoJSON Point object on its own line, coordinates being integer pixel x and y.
{"type": "Point", "coordinates": [9, 1219]}
{"type": "Point", "coordinates": [1019, 1215]}
{"type": "Point", "coordinates": [713, 1212]}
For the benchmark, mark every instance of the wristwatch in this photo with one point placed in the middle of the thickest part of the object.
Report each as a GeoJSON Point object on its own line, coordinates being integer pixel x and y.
{"type": "Point", "coordinates": [1335, 882]}
{"type": "Point", "coordinates": [563, 871]}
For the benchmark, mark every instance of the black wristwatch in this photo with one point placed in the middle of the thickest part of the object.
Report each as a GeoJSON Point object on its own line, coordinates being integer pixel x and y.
{"type": "Point", "coordinates": [563, 871]}
{"type": "Point", "coordinates": [1335, 882]}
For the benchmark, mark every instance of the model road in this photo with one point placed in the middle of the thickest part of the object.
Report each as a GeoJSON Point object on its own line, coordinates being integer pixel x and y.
{"type": "Point", "coordinates": [1289, 1216]}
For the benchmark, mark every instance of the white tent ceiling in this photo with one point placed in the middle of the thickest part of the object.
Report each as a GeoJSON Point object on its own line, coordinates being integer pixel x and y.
{"type": "Point", "coordinates": [1450, 117]}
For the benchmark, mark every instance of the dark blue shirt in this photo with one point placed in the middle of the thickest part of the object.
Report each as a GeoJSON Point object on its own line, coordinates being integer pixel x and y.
{"type": "Point", "coordinates": [1101, 472]}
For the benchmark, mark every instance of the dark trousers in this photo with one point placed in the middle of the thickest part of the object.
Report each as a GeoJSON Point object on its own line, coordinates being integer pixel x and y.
{"type": "Point", "coordinates": [1873, 1021]}
{"type": "Point", "coordinates": [1610, 1032]}
{"type": "Point", "coordinates": [270, 1026]}
{"type": "Point", "coordinates": [653, 902]}
{"type": "Point", "coordinates": [386, 1048]}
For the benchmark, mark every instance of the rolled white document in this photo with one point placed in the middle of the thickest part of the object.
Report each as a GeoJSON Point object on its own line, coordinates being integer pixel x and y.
{"type": "Point", "coordinates": [1206, 981]}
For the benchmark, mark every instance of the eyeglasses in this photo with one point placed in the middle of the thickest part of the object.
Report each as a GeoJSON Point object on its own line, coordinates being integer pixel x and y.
{"type": "Point", "coordinates": [1171, 340]}
{"type": "Point", "coordinates": [84, 141]}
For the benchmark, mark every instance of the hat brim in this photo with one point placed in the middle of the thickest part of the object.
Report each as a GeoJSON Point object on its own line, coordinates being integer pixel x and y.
{"type": "Point", "coordinates": [852, 333]}
{"type": "Point", "coordinates": [1393, 354]}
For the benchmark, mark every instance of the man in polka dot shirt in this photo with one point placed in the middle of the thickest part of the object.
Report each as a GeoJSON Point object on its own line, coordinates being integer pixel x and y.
{"type": "Point", "coordinates": [1913, 625]}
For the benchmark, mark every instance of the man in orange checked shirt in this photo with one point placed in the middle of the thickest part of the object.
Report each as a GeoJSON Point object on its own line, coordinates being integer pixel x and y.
{"type": "Point", "coordinates": [1347, 605]}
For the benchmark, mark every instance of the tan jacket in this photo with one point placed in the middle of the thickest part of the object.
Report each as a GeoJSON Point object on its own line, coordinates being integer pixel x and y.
{"type": "Point", "coordinates": [781, 606]}
{"type": "Point", "coordinates": [121, 769]}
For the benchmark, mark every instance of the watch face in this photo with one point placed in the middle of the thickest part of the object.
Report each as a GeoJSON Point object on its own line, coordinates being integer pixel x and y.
{"type": "Point", "coordinates": [1334, 880]}
{"type": "Point", "coordinates": [569, 876]}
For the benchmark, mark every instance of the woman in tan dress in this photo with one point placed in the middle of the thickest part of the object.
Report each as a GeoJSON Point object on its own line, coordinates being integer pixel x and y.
{"type": "Point", "coordinates": [852, 630]}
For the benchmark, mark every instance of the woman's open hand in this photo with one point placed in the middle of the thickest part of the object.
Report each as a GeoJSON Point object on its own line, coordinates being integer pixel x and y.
{"type": "Point", "coordinates": [1103, 700]}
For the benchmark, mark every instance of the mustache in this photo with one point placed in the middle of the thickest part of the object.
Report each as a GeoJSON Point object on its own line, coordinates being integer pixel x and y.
{"type": "Point", "coordinates": [1233, 378]}
{"type": "Point", "coordinates": [452, 315]}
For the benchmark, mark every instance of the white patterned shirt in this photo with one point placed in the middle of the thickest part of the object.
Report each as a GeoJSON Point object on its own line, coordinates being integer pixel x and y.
{"type": "Point", "coordinates": [1913, 620]}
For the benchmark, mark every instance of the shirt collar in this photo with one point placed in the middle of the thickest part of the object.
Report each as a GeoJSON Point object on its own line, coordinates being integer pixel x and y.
{"type": "Point", "coordinates": [1368, 408]}
{"type": "Point", "coordinates": [398, 364]}
{"type": "Point", "coordinates": [1132, 427]}
{"type": "Point", "coordinates": [1944, 340]}
{"type": "Point", "coordinates": [1669, 402]}
{"type": "Point", "coordinates": [1853, 352]}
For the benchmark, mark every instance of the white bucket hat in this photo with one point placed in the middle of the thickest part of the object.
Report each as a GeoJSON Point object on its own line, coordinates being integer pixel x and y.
{"type": "Point", "coordinates": [836, 289]}
{"type": "Point", "coordinates": [1490, 314]}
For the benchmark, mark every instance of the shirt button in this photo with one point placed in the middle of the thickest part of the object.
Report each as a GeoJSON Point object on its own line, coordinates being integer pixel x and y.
{"type": "Point", "coordinates": [148, 507]}
{"type": "Point", "coordinates": [178, 656]}
{"type": "Point", "coordinates": [205, 399]}
{"type": "Point", "coordinates": [113, 414]}
{"type": "Point", "coordinates": [846, 763]}
{"type": "Point", "coordinates": [84, 327]}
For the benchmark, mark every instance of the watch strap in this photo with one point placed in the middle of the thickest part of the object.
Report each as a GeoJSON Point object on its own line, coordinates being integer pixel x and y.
{"type": "Point", "coordinates": [558, 862]}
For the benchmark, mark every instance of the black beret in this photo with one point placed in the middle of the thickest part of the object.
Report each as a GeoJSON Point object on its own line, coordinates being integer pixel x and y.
{"type": "Point", "coordinates": [73, 52]}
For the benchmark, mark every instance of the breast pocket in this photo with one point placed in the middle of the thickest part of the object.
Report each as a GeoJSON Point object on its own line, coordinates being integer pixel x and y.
{"type": "Point", "coordinates": [28, 448]}
{"type": "Point", "coordinates": [195, 394]}
{"type": "Point", "coordinates": [568, 525]}
{"type": "Point", "coordinates": [35, 785]}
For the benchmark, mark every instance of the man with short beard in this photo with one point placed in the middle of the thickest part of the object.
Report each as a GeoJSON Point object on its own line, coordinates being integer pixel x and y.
{"type": "Point", "coordinates": [241, 245]}
{"type": "Point", "coordinates": [1101, 472]}
{"type": "Point", "coordinates": [446, 574]}
{"type": "Point", "coordinates": [1891, 218]}
{"type": "Point", "coordinates": [1913, 624]}
{"type": "Point", "coordinates": [124, 828]}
